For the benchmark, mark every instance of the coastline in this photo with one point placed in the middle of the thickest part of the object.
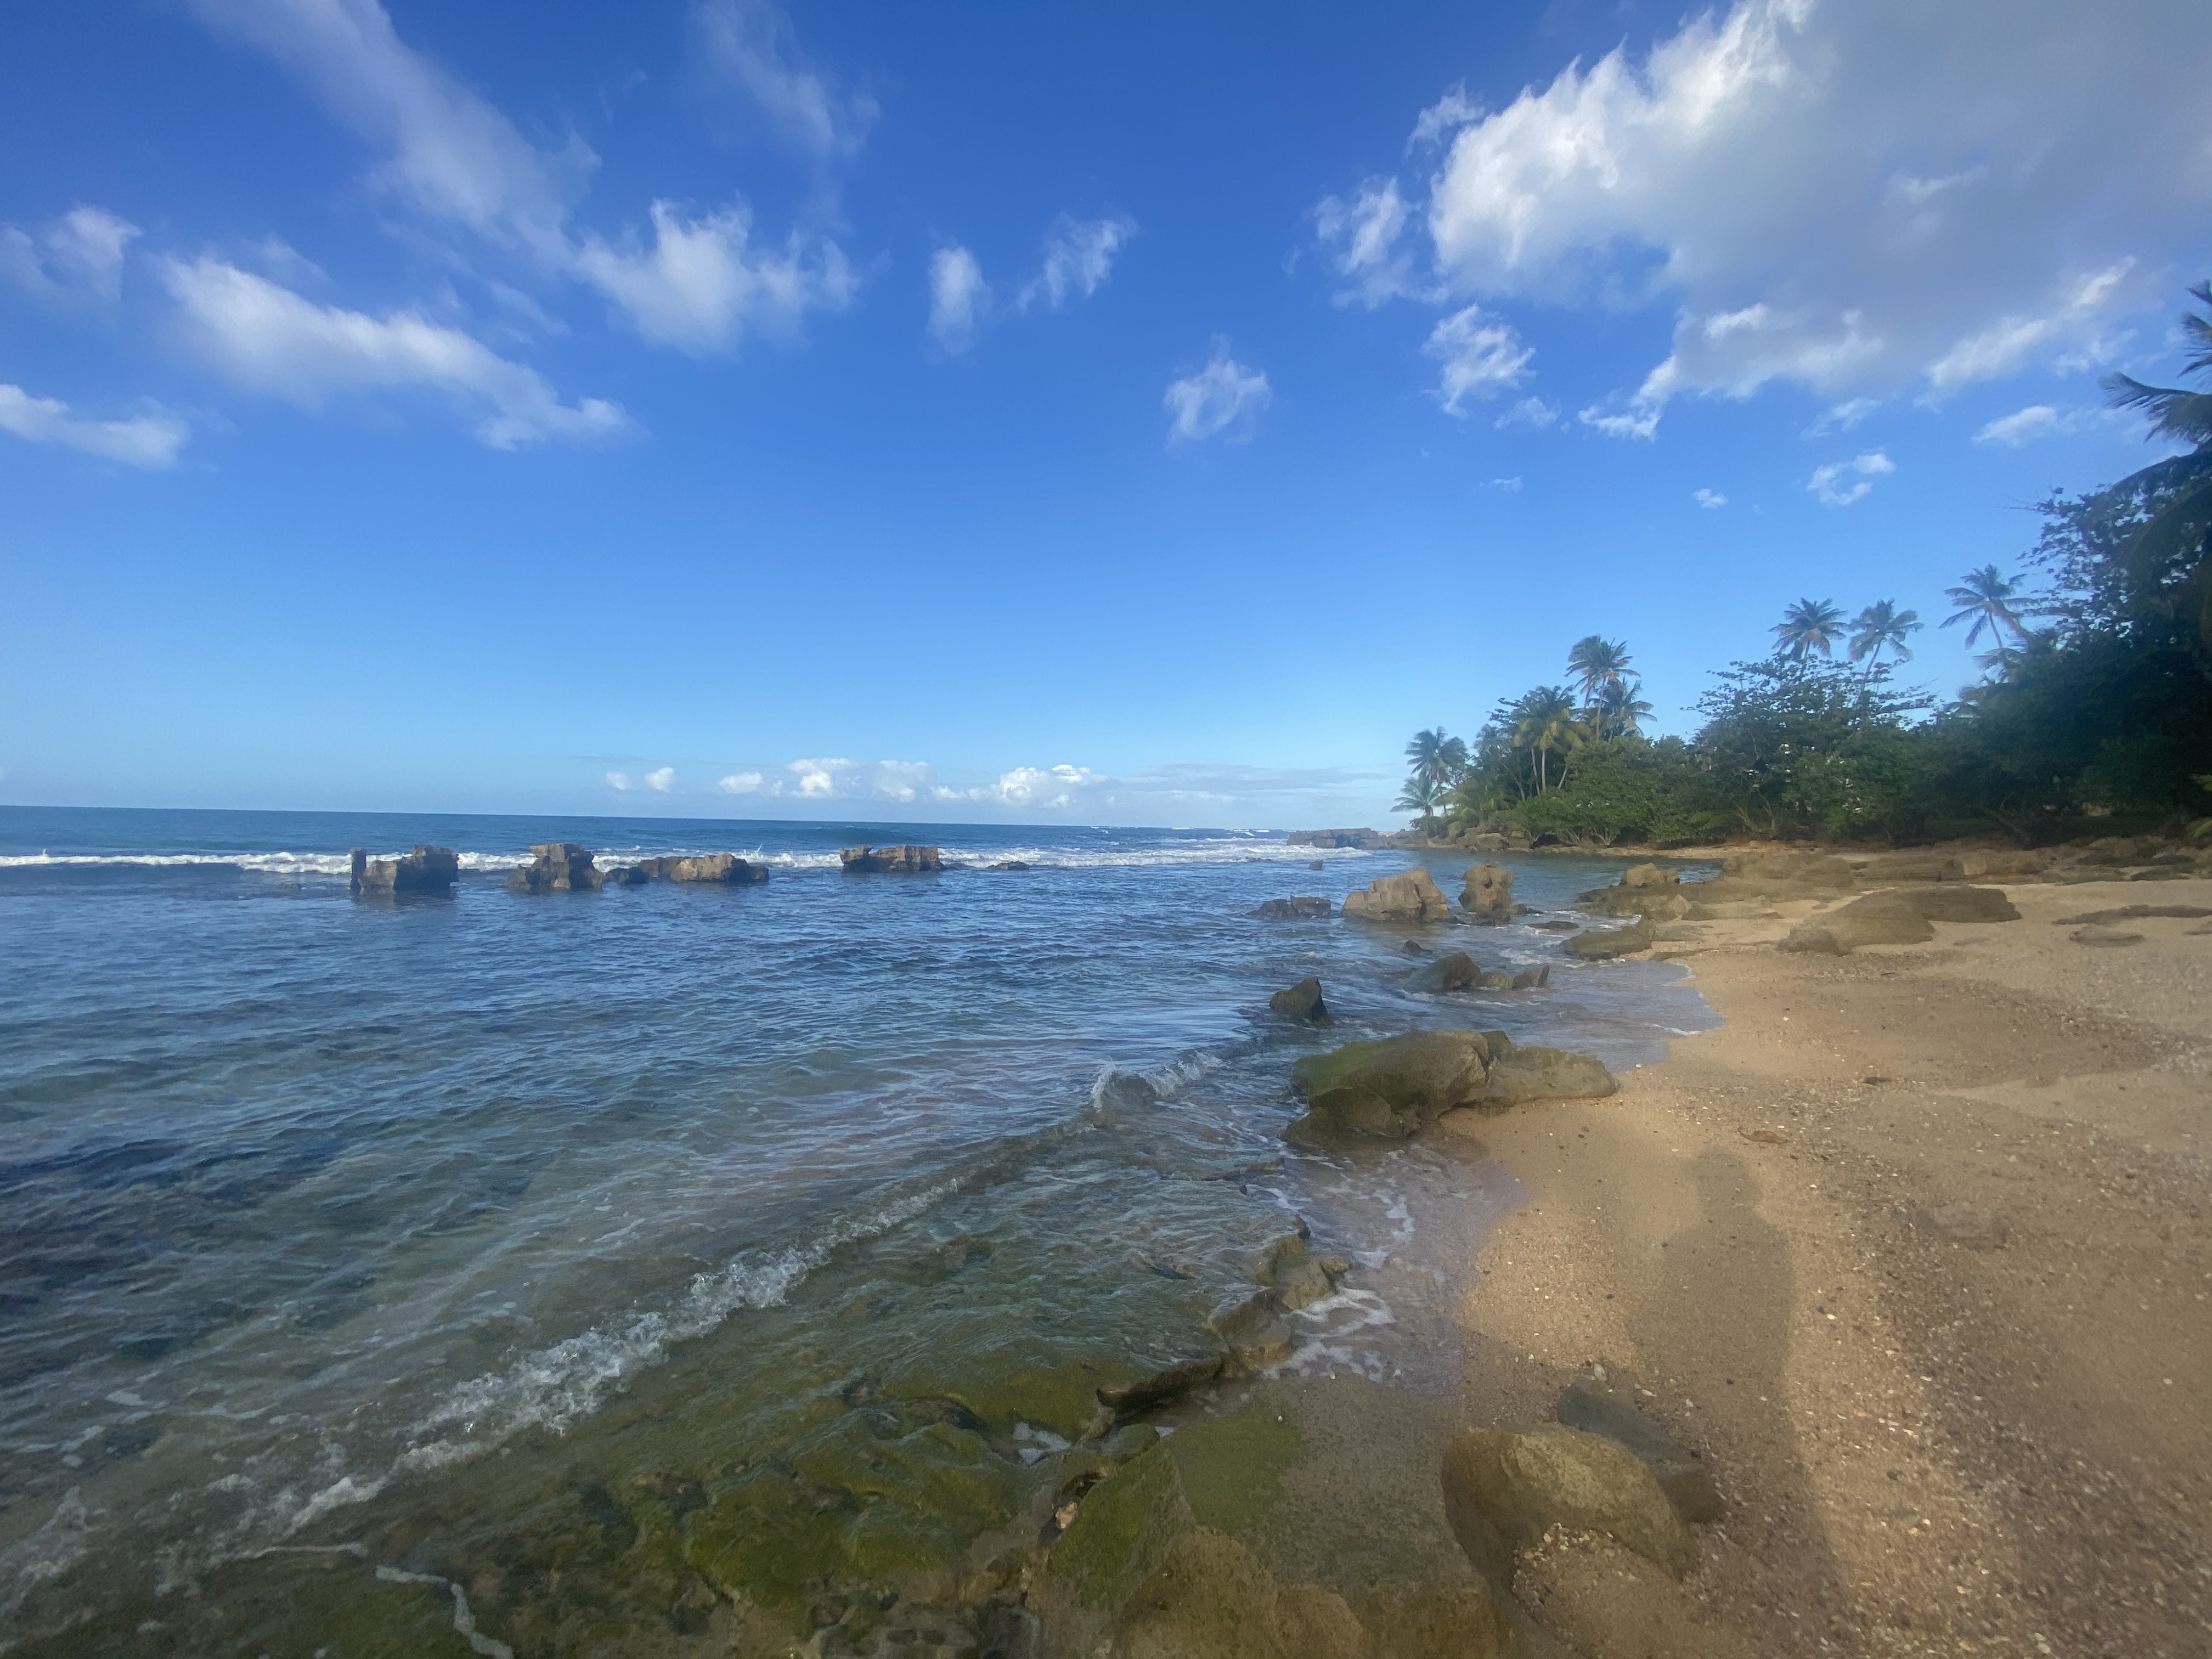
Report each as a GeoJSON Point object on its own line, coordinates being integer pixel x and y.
{"type": "Point", "coordinates": [1941, 1337]}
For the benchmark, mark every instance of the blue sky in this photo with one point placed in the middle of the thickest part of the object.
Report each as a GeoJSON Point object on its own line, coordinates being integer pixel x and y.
{"type": "Point", "coordinates": [1137, 414]}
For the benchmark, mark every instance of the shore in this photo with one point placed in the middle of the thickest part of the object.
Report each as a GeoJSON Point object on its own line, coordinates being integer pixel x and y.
{"type": "Point", "coordinates": [1914, 1251]}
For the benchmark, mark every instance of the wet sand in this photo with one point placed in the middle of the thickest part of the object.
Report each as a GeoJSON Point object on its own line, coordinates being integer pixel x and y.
{"type": "Point", "coordinates": [1916, 1251]}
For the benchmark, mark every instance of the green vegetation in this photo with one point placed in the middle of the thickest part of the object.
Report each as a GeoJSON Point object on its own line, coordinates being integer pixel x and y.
{"type": "Point", "coordinates": [2095, 707]}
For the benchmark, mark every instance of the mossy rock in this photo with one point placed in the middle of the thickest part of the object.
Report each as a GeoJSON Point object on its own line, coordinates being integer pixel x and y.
{"type": "Point", "coordinates": [1388, 1088]}
{"type": "Point", "coordinates": [1000, 1388]}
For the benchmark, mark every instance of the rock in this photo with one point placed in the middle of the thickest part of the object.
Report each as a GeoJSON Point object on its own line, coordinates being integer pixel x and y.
{"type": "Point", "coordinates": [1123, 1091]}
{"type": "Point", "coordinates": [1955, 901]}
{"type": "Point", "coordinates": [1164, 1387]}
{"type": "Point", "coordinates": [1251, 1329]}
{"type": "Point", "coordinates": [1605, 943]}
{"type": "Point", "coordinates": [1503, 1487]}
{"type": "Point", "coordinates": [1013, 864]}
{"type": "Point", "coordinates": [1486, 891]}
{"type": "Point", "coordinates": [1769, 870]}
{"type": "Point", "coordinates": [1316, 864]}
{"type": "Point", "coordinates": [1414, 947]}
{"type": "Point", "coordinates": [1388, 1088]}
{"type": "Point", "coordinates": [1412, 896]}
{"type": "Point", "coordinates": [1892, 867]}
{"type": "Point", "coordinates": [1649, 875]}
{"type": "Point", "coordinates": [1365, 839]}
{"type": "Point", "coordinates": [1496, 979]}
{"type": "Point", "coordinates": [1880, 919]}
{"type": "Point", "coordinates": [706, 867]}
{"type": "Point", "coordinates": [1302, 1002]}
{"type": "Point", "coordinates": [897, 860]}
{"type": "Point", "coordinates": [425, 870]}
{"type": "Point", "coordinates": [1532, 979]}
{"type": "Point", "coordinates": [557, 867]}
{"type": "Point", "coordinates": [2106, 937]}
{"type": "Point", "coordinates": [2131, 913]}
{"type": "Point", "coordinates": [1682, 1475]}
{"type": "Point", "coordinates": [1521, 1072]}
{"type": "Point", "coordinates": [625, 875]}
{"type": "Point", "coordinates": [1974, 865]}
{"type": "Point", "coordinates": [1455, 972]}
{"type": "Point", "coordinates": [1294, 909]}
{"type": "Point", "coordinates": [1976, 1225]}
{"type": "Point", "coordinates": [1556, 926]}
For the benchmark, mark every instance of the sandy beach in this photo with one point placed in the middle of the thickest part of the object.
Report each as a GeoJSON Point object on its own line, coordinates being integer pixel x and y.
{"type": "Point", "coordinates": [1914, 1252]}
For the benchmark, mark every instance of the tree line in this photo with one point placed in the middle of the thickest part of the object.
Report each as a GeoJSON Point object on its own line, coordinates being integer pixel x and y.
{"type": "Point", "coordinates": [2093, 706]}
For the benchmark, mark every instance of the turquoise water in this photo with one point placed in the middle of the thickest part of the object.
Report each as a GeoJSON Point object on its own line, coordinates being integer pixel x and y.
{"type": "Point", "coordinates": [324, 1217]}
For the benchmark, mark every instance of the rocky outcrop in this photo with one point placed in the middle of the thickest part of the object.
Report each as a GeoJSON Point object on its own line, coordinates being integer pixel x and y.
{"type": "Point", "coordinates": [1365, 839]}
{"type": "Point", "coordinates": [1294, 909]}
{"type": "Point", "coordinates": [557, 867]}
{"type": "Point", "coordinates": [1531, 979]}
{"type": "Point", "coordinates": [1523, 1073]}
{"type": "Point", "coordinates": [1388, 1088]}
{"type": "Point", "coordinates": [1504, 1488]}
{"type": "Point", "coordinates": [890, 860]}
{"type": "Point", "coordinates": [722, 867]}
{"type": "Point", "coordinates": [425, 870]}
{"type": "Point", "coordinates": [1901, 916]}
{"type": "Point", "coordinates": [1302, 1002]}
{"type": "Point", "coordinates": [1606, 944]}
{"type": "Point", "coordinates": [1956, 900]}
{"type": "Point", "coordinates": [625, 875]}
{"type": "Point", "coordinates": [1487, 894]}
{"type": "Point", "coordinates": [1687, 1481]}
{"type": "Point", "coordinates": [1413, 896]}
{"type": "Point", "coordinates": [1455, 972]}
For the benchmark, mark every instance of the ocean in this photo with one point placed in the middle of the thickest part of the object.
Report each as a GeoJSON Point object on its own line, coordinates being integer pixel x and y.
{"type": "Point", "coordinates": [511, 1274]}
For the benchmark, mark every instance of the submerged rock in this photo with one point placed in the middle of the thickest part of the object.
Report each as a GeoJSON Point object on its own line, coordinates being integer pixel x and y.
{"type": "Point", "coordinates": [1302, 1002]}
{"type": "Point", "coordinates": [425, 870]}
{"type": "Point", "coordinates": [1390, 1088]}
{"type": "Point", "coordinates": [1161, 1388]}
{"type": "Point", "coordinates": [1455, 972]}
{"type": "Point", "coordinates": [1294, 909]}
{"type": "Point", "coordinates": [557, 867]}
{"type": "Point", "coordinates": [1486, 891]}
{"type": "Point", "coordinates": [1532, 979]}
{"type": "Point", "coordinates": [706, 867]}
{"type": "Point", "coordinates": [1504, 1489]}
{"type": "Point", "coordinates": [1605, 943]}
{"type": "Point", "coordinates": [896, 861]}
{"type": "Point", "coordinates": [1412, 896]}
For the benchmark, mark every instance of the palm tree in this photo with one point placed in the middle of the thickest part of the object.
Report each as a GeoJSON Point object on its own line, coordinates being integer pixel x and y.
{"type": "Point", "coordinates": [1619, 706]}
{"type": "Point", "coordinates": [1807, 626]}
{"type": "Point", "coordinates": [1548, 722]}
{"type": "Point", "coordinates": [2177, 412]}
{"type": "Point", "coordinates": [1597, 664]}
{"type": "Point", "coordinates": [1436, 757]}
{"type": "Point", "coordinates": [1420, 794]}
{"type": "Point", "coordinates": [2183, 522]}
{"type": "Point", "coordinates": [1985, 599]}
{"type": "Point", "coordinates": [1883, 627]}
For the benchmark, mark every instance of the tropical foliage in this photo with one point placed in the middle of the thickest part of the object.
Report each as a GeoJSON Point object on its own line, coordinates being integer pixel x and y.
{"type": "Point", "coordinates": [2096, 702]}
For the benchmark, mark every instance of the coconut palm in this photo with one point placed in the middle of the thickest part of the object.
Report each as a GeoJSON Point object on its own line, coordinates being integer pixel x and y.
{"type": "Point", "coordinates": [1597, 664]}
{"type": "Point", "coordinates": [1807, 626]}
{"type": "Point", "coordinates": [1547, 723]}
{"type": "Point", "coordinates": [1985, 599]}
{"type": "Point", "coordinates": [1620, 709]}
{"type": "Point", "coordinates": [1437, 757]}
{"type": "Point", "coordinates": [1420, 794]}
{"type": "Point", "coordinates": [2168, 550]}
{"type": "Point", "coordinates": [2176, 411]}
{"type": "Point", "coordinates": [1883, 627]}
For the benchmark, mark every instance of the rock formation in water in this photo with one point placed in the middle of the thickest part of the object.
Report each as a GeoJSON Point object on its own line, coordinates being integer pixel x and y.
{"type": "Point", "coordinates": [1487, 894]}
{"type": "Point", "coordinates": [1412, 896]}
{"type": "Point", "coordinates": [1302, 1002]}
{"type": "Point", "coordinates": [425, 870]}
{"type": "Point", "coordinates": [718, 868]}
{"type": "Point", "coordinates": [1303, 908]}
{"type": "Point", "coordinates": [865, 861]}
{"type": "Point", "coordinates": [557, 867]}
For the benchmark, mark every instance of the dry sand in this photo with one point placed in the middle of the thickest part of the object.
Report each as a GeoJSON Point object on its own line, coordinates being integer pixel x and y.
{"type": "Point", "coordinates": [1914, 1249]}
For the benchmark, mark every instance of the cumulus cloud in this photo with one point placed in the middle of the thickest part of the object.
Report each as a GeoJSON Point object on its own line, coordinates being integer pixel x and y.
{"type": "Point", "coordinates": [267, 338]}
{"type": "Point", "coordinates": [78, 256]}
{"type": "Point", "coordinates": [1709, 499]}
{"type": "Point", "coordinates": [741, 783]}
{"type": "Point", "coordinates": [149, 440]}
{"type": "Point", "coordinates": [1801, 182]}
{"type": "Point", "coordinates": [1078, 258]}
{"type": "Point", "coordinates": [1841, 482]}
{"type": "Point", "coordinates": [1222, 397]}
{"type": "Point", "coordinates": [959, 299]}
{"type": "Point", "coordinates": [750, 45]}
{"type": "Point", "coordinates": [2024, 426]}
{"type": "Point", "coordinates": [1481, 355]}
{"type": "Point", "coordinates": [698, 287]}
{"type": "Point", "coordinates": [819, 779]}
{"type": "Point", "coordinates": [1529, 412]}
{"type": "Point", "coordinates": [661, 777]}
{"type": "Point", "coordinates": [1053, 789]}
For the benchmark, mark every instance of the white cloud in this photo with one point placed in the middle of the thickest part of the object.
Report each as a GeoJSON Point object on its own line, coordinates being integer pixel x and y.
{"type": "Point", "coordinates": [2025, 426]}
{"type": "Point", "coordinates": [1365, 234]}
{"type": "Point", "coordinates": [959, 299]}
{"type": "Point", "coordinates": [750, 44]}
{"type": "Point", "coordinates": [1078, 258]}
{"type": "Point", "coordinates": [1529, 412]}
{"type": "Point", "coordinates": [820, 779]}
{"type": "Point", "coordinates": [1827, 483]}
{"type": "Point", "coordinates": [1221, 396]}
{"type": "Point", "coordinates": [1843, 416]}
{"type": "Point", "coordinates": [745, 783]}
{"type": "Point", "coordinates": [149, 440]}
{"type": "Point", "coordinates": [698, 287]}
{"type": "Point", "coordinates": [79, 255]}
{"type": "Point", "coordinates": [661, 777]}
{"type": "Point", "coordinates": [620, 780]}
{"type": "Point", "coordinates": [451, 154]}
{"type": "Point", "coordinates": [1481, 357]}
{"type": "Point", "coordinates": [1803, 183]}
{"type": "Point", "coordinates": [1447, 115]}
{"type": "Point", "coordinates": [1709, 499]}
{"type": "Point", "coordinates": [902, 781]}
{"type": "Point", "coordinates": [269, 339]}
{"type": "Point", "coordinates": [1511, 486]}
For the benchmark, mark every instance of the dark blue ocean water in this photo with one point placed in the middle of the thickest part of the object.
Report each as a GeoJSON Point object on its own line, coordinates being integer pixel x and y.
{"type": "Point", "coordinates": [303, 1198]}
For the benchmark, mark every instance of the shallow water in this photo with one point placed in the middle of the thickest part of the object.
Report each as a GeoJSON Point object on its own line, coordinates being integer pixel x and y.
{"type": "Point", "coordinates": [313, 1204]}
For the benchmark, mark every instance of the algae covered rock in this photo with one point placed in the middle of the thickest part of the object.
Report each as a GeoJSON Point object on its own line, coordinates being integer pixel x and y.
{"type": "Point", "coordinates": [1302, 1002]}
{"type": "Point", "coordinates": [1453, 972]}
{"type": "Point", "coordinates": [1879, 919]}
{"type": "Point", "coordinates": [1523, 1073]}
{"type": "Point", "coordinates": [1606, 944]}
{"type": "Point", "coordinates": [1504, 1488]}
{"type": "Point", "coordinates": [724, 867]}
{"type": "Point", "coordinates": [425, 870]}
{"type": "Point", "coordinates": [1486, 892]}
{"type": "Point", "coordinates": [1388, 1088]}
{"type": "Point", "coordinates": [1303, 907]}
{"type": "Point", "coordinates": [1412, 896]}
